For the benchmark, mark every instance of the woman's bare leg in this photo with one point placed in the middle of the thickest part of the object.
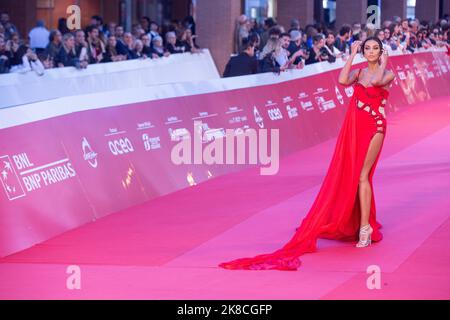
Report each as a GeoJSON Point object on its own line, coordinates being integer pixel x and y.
{"type": "Point", "coordinates": [365, 192]}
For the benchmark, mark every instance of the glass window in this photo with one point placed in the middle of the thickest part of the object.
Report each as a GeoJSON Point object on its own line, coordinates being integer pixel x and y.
{"type": "Point", "coordinates": [411, 9]}
{"type": "Point", "coordinates": [329, 11]}
{"type": "Point", "coordinates": [260, 9]}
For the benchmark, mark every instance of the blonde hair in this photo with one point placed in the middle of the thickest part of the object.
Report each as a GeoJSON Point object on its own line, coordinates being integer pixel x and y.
{"type": "Point", "coordinates": [273, 45]}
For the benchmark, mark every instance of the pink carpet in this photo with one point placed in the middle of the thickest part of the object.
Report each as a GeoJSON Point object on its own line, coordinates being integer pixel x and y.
{"type": "Point", "coordinates": [169, 248]}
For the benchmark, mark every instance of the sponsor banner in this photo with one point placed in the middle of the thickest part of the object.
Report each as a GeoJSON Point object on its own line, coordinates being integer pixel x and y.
{"type": "Point", "coordinates": [59, 173]}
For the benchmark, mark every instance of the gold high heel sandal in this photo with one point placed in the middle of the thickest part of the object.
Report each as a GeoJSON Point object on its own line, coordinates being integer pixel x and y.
{"type": "Point", "coordinates": [365, 234]}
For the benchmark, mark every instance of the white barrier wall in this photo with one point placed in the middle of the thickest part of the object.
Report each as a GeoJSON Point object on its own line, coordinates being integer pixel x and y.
{"type": "Point", "coordinates": [24, 88]}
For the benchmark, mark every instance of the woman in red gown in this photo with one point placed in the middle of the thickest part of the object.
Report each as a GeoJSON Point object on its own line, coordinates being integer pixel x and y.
{"type": "Point", "coordinates": [344, 208]}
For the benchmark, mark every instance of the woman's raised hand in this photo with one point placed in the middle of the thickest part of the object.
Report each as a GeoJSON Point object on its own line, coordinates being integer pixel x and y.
{"type": "Point", "coordinates": [356, 45]}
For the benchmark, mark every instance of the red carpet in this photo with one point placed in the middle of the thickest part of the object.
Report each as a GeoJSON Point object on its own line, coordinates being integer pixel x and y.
{"type": "Point", "coordinates": [169, 248]}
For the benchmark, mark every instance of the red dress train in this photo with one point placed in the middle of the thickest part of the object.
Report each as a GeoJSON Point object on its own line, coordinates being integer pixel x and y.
{"type": "Point", "coordinates": [335, 213]}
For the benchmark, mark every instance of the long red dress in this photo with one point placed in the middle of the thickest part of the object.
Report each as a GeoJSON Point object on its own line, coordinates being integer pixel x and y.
{"type": "Point", "coordinates": [335, 213]}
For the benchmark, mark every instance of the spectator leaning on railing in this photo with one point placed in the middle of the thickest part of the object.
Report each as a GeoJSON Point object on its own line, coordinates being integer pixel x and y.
{"type": "Point", "coordinates": [158, 48]}
{"type": "Point", "coordinates": [96, 47]}
{"type": "Point", "coordinates": [18, 49]}
{"type": "Point", "coordinates": [139, 50]}
{"type": "Point", "coordinates": [330, 45]}
{"type": "Point", "coordinates": [171, 43]}
{"type": "Point", "coordinates": [112, 54]}
{"type": "Point", "coordinates": [187, 40]}
{"type": "Point", "coordinates": [128, 41]}
{"type": "Point", "coordinates": [81, 46]}
{"type": "Point", "coordinates": [95, 44]}
{"type": "Point", "coordinates": [401, 35]}
{"type": "Point", "coordinates": [147, 50]}
{"type": "Point", "coordinates": [282, 55]}
{"type": "Point", "coordinates": [318, 53]}
{"type": "Point", "coordinates": [297, 45]}
{"type": "Point", "coordinates": [267, 61]}
{"type": "Point", "coordinates": [67, 56]}
{"type": "Point", "coordinates": [29, 62]}
{"type": "Point", "coordinates": [243, 64]}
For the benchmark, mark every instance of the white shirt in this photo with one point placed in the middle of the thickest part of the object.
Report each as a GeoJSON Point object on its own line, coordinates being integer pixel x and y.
{"type": "Point", "coordinates": [335, 51]}
{"type": "Point", "coordinates": [39, 38]}
{"type": "Point", "coordinates": [28, 65]}
{"type": "Point", "coordinates": [282, 57]}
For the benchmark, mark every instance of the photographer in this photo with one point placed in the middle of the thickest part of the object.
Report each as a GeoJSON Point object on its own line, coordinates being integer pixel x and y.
{"type": "Point", "coordinates": [112, 52]}
{"type": "Point", "coordinates": [318, 53]}
{"type": "Point", "coordinates": [297, 48]}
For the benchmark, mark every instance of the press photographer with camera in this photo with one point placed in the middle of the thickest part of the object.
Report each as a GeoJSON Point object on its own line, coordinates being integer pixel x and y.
{"type": "Point", "coordinates": [318, 53]}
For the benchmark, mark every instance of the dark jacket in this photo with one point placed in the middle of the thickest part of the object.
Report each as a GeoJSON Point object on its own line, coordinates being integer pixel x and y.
{"type": "Point", "coordinates": [121, 48]}
{"type": "Point", "coordinates": [5, 63]}
{"type": "Point", "coordinates": [158, 53]}
{"type": "Point", "coordinates": [16, 57]}
{"type": "Point", "coordinates": [325, 56]}
{"type": "Point", "coordinates": [147, 51]}
{"type": "Point", "coordinates": [241, 65]}
{"type": "Point", "coordinates": [341, 45]}
{"type": "Point", "coordinates": [174, 49]}
{"type": "Point", "coordinates": [68, 59]}
{"type": "Point", "coordinates": [293, 48]}
{"type": "Point", "coordinates": [268, 64]}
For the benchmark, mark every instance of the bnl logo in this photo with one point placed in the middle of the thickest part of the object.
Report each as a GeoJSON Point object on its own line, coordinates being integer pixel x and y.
{"type": "Point", "coordinates": [10, 180]}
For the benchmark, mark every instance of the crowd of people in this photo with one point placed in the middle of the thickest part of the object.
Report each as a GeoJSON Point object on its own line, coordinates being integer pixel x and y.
{"type": "Point", "coordinates": [271, 48]}
{"type": "Point", "coordinates": [266, 47]}
{"type": "Point", "coordinates": [97, 43]}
